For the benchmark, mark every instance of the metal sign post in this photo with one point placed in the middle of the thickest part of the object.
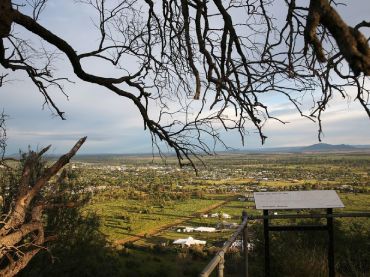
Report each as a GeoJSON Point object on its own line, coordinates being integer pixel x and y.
{"type": "Point", "coordinates": [267, 242]}
{"type": "Point", "coordinates": [329, 224]}
{"type": "Point", "coordinates": [328, 199]}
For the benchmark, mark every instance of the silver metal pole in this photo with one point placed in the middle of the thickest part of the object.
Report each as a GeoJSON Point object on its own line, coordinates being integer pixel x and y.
{"type": "Point", "coordinates": [245, 242]}
{"type": "Point", "coordinates": [221, 266]}
{"type": "Point", "coordinates": [245, 245]}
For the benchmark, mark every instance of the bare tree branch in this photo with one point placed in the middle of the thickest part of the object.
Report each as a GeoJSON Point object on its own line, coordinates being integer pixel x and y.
{"type": "Point", "coordinates": [225, 54]}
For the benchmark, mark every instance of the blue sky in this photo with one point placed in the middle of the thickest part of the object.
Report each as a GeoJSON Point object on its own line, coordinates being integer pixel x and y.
{"type": "Point", "coordinates": [113, 124]}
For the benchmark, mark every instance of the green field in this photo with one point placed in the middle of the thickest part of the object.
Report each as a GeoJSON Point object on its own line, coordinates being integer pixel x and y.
{"type": "Point", "coordinates": [141, 204]}
{"type": "Point", "coordinates": [127, 218]}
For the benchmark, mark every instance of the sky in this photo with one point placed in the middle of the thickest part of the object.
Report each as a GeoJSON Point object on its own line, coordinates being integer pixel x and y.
{"type": "Point", "coordinates": [113, 124]}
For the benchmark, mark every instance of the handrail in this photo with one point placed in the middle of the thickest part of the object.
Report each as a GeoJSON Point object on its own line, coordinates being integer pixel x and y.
{"type": "Point", "coordinates": [219, 257]}
{"type": "Point", "coordinates": [212, 264]}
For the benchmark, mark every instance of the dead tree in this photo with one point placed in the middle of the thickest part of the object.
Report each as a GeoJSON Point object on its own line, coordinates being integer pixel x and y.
{"type": "Point", "coordinates": [22, 233]}
{"type": "Point", "coordinates": [2, 136]}
{"type": "Point", "coordinates": [225, 54]}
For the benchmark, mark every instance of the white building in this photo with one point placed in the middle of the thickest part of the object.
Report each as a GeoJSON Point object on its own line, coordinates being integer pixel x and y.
{"type": "Point", "coordinates": [205, 229]}
{"type": "Point", "coordinates": [227, 216]}
{"type": "Point", "coordinates": [189, 241]}
{"type": "Point", "coordinates": [223, 215]}
{"type": "Point", "coordinates": [188, 229]}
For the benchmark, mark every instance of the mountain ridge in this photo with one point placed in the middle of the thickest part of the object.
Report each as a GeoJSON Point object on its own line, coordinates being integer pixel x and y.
{"type": "Point", "coordinates": [314, 148]}
{"type": "Point", "coordinates": [317, 147]}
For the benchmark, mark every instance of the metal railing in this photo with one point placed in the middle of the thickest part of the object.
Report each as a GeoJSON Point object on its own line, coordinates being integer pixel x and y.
{"type": "Point", "coordinates": [218, 260]}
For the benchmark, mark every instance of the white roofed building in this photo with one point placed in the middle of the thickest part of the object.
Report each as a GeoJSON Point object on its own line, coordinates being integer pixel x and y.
{"type": "Point", "coordinates": [205, 229]}
{"type": "Point", "coordinates": [189, 241]}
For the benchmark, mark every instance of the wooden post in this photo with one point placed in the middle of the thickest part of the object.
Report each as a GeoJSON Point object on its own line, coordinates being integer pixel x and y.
{"type": "Point", "coordinates": [221, 265]}
{"type": "Point", "coordinates": [245, 243]}
{"type": "Point", "coordinates": [267, 243]}
{"type": "Point", "coordinates": [331, 244]}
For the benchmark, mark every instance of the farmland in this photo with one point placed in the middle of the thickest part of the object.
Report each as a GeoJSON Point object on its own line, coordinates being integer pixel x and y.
{"type": "Point", "coordinates": [142, 203]}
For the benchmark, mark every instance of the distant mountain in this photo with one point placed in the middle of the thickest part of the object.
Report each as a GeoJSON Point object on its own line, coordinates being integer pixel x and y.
{"type": "Point", "coordinates": [318, 147]}
{"type": "Point", "coordinates": [324, 147]}
{"type": "Point", "coordinates": [314, 148]}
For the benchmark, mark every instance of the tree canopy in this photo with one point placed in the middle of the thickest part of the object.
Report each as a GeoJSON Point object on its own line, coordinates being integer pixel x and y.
{"type": "Point", "coordinates": [194, 67]}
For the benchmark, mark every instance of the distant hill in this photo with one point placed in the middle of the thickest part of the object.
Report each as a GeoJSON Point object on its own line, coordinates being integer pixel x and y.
{"type": "Point", "coordinates": [324, 147]}
{"type": "Point", "coordinates": [318, 147]}
{"type": "Point", "coordinates": [314, 148]}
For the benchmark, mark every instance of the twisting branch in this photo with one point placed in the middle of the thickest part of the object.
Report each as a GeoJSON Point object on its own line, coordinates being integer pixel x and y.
{"type": "Point", "coordinates": [351, 42]}
{"type": "Point", "coordinates": [37, 7]}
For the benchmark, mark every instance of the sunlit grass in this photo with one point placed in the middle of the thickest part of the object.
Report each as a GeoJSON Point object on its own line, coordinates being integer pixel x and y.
{"type": "Point", "coordinates": [125, 218]}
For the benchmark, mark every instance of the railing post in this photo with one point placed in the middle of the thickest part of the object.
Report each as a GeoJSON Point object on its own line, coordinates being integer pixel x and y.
{"type": "Point", "coordinates": [245, 243]}
{"type": "Point", "coordinates": [267, 242]}
{"type": "Point", "coordinates": [221, 265]}
{"type": "Point", "coordinates": [331, 244]}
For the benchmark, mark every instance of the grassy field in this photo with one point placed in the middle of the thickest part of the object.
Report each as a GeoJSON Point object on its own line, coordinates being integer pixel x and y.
{"type": "Point", "coordinates": [123, 219]}
{"type": "Point", "coordinates": [150, 227]}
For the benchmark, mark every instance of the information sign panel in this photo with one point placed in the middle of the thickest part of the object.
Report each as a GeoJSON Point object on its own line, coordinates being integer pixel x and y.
{"type": "Point", "coordinates": [311, 199]}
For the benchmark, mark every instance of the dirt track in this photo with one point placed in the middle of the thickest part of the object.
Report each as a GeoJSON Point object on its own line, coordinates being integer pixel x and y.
{"type": "Point", "coordinates": [157, 230]}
